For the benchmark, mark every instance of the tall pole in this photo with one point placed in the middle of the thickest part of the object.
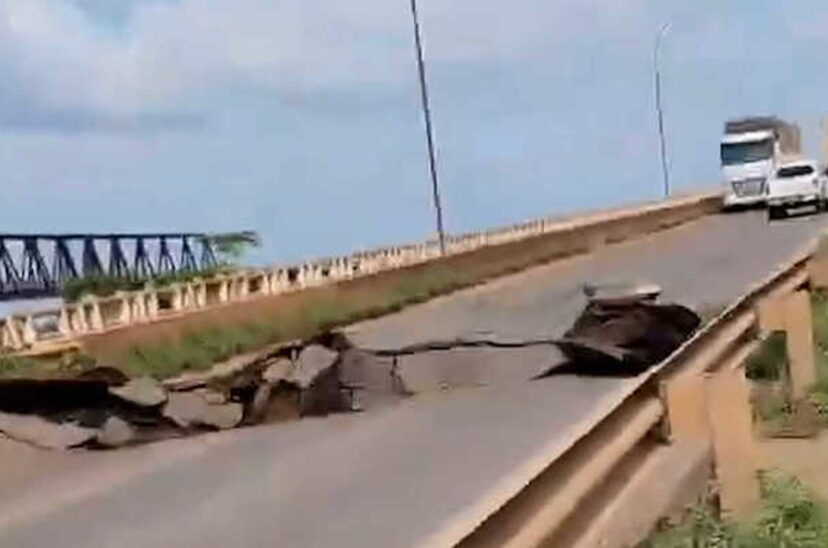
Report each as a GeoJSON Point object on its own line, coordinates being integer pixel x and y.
{"type": "Point", "coordinates": [432, 164]}
{"type": "Point", "coordinates": [659, 110]}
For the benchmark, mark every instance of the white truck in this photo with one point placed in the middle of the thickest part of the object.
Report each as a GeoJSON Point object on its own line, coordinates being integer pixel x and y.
{"type": "Point", "coordinates": [751, 150]}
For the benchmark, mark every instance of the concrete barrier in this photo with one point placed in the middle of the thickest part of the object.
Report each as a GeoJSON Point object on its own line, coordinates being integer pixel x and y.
{"type": "Point", "coordinates": [93, 315]}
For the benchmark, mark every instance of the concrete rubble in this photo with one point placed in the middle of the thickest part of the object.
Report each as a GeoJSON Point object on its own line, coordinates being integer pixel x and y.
{"type": "Point", "coordinates": [143, 391]}
{"type": "Point", "coordinates": [102, 408]}
{"type": "Point", "coordinates": [115, 432]}
{"type": "Point", "coordinates": [43, 433]}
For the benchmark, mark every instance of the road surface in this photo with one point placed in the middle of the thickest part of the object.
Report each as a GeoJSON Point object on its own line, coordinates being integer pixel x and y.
{"type": "Point", "coordinates": [418, 473]}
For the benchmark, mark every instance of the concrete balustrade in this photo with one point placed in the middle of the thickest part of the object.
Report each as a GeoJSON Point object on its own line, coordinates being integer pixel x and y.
{"type": "Point", "coordinates": [22, 332]}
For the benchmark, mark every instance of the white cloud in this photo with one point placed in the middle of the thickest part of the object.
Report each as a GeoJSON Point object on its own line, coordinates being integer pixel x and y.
{"type": "Point", "coordinates": [55, 59]}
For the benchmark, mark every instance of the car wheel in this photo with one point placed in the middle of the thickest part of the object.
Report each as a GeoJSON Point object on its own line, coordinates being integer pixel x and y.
{"type": "Point", "coordinates": [775, 212]}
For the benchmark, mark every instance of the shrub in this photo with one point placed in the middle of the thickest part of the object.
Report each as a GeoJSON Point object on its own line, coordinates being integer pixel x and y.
{"type": "Point", "coordinates": [770, 361]}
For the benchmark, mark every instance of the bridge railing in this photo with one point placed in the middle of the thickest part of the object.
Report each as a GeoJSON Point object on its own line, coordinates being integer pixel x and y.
{"type": "Point", "coordinates": [47, 330]}
{"type": "Point", "coordinates": [667, 434]}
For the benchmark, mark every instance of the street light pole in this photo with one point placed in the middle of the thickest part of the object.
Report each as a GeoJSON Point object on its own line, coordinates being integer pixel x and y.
{"type": "Point", "coordinates": [432, 164]}
{"type": "Point", "coordinates": [659, 110]}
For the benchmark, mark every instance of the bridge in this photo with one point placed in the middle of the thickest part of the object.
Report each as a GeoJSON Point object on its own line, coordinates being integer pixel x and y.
{"type": "Point", "coordinates": [497, 460]}
{"type": "Point", "coordinates": [128, 256]}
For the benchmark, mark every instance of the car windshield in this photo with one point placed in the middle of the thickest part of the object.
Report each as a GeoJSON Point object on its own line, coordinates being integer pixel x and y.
{"type": "Point", "coordinates": [743, 153]}
{"type": "Point", "coordinates": [794, 171]}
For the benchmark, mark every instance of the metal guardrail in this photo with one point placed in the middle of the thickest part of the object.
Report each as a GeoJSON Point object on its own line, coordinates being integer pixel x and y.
{"type": "Point", "coordinates": [654, 449]}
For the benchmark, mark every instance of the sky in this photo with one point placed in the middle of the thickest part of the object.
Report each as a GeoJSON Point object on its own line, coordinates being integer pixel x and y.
{"type": "Point", "coordinates": [301, 118]}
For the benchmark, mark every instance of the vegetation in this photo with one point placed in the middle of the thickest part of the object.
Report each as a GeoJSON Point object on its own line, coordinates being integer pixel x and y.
{"type": "Point", "coordinates": [769, 365]}
{"type": "Point", "coordinates": [14, 365]}
{"type": "Point", "coordinates": [201, 348]}
{"type": "Point", "coordinates": [197, 350]}
{"type": "Point", "coordinates": [819, 393]}
{"type": "Point", "coordinates": [791, 516]}
{"type": "Point", "coordinates": [229, 248]}
{"type": "Point", "coordinates": [770, 361]}
{"type": "Point", "coordinates": [70, 364]}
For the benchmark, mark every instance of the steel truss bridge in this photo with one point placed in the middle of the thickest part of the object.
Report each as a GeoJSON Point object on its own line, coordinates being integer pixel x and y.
{"type": "Point", "coordinates": [38, 265]}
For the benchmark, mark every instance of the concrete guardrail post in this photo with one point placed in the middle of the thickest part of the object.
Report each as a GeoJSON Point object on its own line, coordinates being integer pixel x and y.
{"type": "Point", "coordinates": [791, 314]}
{"type": "Point", "coordinates": [736, 453]}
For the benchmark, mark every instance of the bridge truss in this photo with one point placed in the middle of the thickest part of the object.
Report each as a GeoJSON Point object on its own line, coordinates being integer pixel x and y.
{"type": "Point", "coordinates": [38, 265]}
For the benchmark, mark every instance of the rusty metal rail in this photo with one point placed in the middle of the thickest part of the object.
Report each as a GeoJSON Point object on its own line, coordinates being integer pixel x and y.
{"type": "Point", "coordinates": [684, 423]}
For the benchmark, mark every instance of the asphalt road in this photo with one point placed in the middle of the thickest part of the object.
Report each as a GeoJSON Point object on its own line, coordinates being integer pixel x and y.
{"type": "Point", "coordinates": [417, 473]}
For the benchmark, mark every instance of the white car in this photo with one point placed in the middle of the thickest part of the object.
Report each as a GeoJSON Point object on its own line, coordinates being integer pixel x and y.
{"type": "Point", "coordinates": [794, 186]}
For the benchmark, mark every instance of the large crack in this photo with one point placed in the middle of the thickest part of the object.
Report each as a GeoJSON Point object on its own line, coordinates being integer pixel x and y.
{"type": "Point", "coordinates": [329, 374]}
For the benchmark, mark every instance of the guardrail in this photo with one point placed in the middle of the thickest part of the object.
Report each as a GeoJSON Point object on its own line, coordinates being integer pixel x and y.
{"type": "Point", "coordinates": [671, 430]}
{"type": "Point", "coordinates": [52, 330]}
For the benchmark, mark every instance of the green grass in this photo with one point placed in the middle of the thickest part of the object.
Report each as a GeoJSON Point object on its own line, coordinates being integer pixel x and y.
{"type": "Point", "coordinates": [200, 349]}
{"type": "Point", "coordinates": [11, 366]}
{"type": "Point", "coordinates": [68, 365]}
{"type": "Point", "coordinates": [790, 516]}
{"type": "Point", "coordinates": [770, 361]}
{"type": "Point", "coordinates": [819, 392]}
{"type": "Point", "coordinates": [197, 350]}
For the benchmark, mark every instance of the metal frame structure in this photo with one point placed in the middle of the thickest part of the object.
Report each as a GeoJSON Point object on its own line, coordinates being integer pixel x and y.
{"type": "Point", "coordinates": [30, 276]}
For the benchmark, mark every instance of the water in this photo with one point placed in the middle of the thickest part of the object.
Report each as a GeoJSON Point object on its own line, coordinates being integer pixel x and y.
{"type": "Point", "coordinates": [29, 305]}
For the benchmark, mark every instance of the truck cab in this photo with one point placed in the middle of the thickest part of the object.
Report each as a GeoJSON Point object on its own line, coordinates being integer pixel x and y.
{"type": "Point", "coordinates": [748, 158]}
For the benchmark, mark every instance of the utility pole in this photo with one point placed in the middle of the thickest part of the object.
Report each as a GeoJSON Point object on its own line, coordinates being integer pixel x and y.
{"type": "Point", "coordinates": [432, 163]}
{"type": "Point", "coordinates": [659, 110]}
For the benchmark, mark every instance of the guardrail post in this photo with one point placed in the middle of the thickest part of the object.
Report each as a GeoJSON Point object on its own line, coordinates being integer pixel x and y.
{"type": "Point", "coordinates": [713, 410]}
{"type": "Point", "coordinates": [791, 314]}
{"type": "Point", "coordinates": [736, 455]}
{"type": "Point", "coordinates": [686, 401]}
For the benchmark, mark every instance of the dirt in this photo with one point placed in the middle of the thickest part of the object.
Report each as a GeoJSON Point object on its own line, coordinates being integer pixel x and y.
{"type": "Point", "coordinates": [807, 459]}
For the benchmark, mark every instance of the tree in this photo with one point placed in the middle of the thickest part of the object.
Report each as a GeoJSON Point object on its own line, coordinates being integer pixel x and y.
{"type": "Point", "coordinates": [231, 246]}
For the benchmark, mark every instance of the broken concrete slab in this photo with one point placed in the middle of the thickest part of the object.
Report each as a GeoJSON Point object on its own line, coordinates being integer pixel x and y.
{"type": "Point", "coordinates": [313, 360]}
{"type": "Point", "coordinates": [273, 402]}
{"type": "Point", "coordinates": [42, 433]}
{"type": "Point", "coordinates": [258, 406]}
{"type": "Point", "coordinates": [625, 338]}
{"type": "Point", "coordinates": [443, 370]}
{"type": "Point", "coordinates": [371, 380]}
{"type": "Point", "coordinates": [280, 369]}
{"type": "Point", "coordinates": [142, 391]}
{"type": "Point", "coordinates": [224, 416]}
{"type": "Point", "coordinates": [213, 397]}
{"type": "Point", "coordinates": [185, 408]}
{"type": "Point", "coordinates": [115, 432]}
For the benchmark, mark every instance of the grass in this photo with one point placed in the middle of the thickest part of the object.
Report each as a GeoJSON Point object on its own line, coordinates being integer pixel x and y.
{"type": "Point", "coordinates": [70, 364]}
{"type": "Point", "coordinates": [770, 361]}
{"type": "Point", "coordinates": [770, 364]}
{"type": "Point", "coordinates": [200, 348]}
{"type": "Point", "coordinates": [819, 392]}
{"type": "Point", "coordinates": [11, 366]}
{"type": "Point", "coordinates": [790, 516]}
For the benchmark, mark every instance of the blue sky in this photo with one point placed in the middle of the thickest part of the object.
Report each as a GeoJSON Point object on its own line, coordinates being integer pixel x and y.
{"type": "Point", "coordinates": [300, 118]}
